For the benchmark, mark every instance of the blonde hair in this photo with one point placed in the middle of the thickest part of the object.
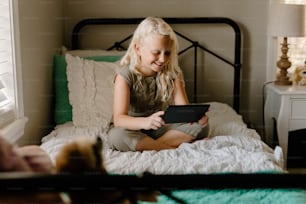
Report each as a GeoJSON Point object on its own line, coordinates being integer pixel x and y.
{"type": "Point", "coordinates": [165, 78]}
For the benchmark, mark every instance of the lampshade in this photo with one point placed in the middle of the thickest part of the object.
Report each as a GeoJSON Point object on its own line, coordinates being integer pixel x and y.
{"type": "Point", "coordinates": [286, 20]}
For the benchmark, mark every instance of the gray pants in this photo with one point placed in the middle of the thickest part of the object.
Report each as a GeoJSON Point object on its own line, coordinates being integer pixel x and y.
{"type": "Point", "coordinates": [126, 140]}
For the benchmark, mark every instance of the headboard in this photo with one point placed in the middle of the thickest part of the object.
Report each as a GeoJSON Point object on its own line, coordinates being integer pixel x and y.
{"type": "Point", "coordinates": [235, 64]}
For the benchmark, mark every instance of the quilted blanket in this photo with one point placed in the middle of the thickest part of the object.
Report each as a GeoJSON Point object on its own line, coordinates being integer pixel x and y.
{"type": "Point", "coordinates": [230, 147]}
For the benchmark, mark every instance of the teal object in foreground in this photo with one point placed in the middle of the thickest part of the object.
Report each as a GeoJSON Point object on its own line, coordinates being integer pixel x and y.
{"type": "Point", "coordinates": [235, 196]}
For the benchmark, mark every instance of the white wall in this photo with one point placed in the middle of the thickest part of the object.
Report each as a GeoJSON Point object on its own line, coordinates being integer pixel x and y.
{"type": "Point", "coordinates": [41, 33]}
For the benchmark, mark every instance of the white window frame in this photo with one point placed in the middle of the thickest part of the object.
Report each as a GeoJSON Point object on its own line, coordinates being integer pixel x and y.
{"type": "Point", "coordinates": [15, 129]}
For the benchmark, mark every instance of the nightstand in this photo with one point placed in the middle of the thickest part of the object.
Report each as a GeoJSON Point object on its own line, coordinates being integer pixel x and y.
{"type": "Point", "coordinates": [284, 111]}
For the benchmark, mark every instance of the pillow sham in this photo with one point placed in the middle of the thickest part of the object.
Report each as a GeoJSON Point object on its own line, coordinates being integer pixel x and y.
{"type": "Point", "coordinates": [62, 107]}
{"type": "Point", "coordinates": [92, 53]}
{"type": "Point", "coordinates": [90, 85]}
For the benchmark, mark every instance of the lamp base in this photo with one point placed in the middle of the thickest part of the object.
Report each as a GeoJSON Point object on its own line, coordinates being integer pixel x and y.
{"type": "Point", "coordinates": [283, 83]}
{"type": "Point", "coordinates": [283, 64]}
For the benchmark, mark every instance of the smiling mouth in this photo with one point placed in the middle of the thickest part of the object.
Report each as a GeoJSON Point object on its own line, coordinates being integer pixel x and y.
{"type": "Point", "coordinates": [159, 65]}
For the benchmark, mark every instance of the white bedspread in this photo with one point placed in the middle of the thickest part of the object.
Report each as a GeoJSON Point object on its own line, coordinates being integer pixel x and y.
{"type": "Point", "coordinates": [231, 147]}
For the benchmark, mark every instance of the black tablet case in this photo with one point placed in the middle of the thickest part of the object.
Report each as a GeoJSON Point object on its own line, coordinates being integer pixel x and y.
{"type": "Point", "coordinates": [185, 113]}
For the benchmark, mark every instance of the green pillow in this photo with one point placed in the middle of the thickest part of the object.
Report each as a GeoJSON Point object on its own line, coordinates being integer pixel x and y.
{"type": "Point", "coordinates": [62, 107]}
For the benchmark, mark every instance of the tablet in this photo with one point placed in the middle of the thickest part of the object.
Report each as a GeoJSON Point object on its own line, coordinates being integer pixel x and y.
{"type": "Point", "coordinates": [185, 113]}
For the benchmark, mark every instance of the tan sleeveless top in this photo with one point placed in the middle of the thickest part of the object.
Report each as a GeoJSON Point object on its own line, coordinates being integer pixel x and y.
{"type": "Point", "coordinates": [143, 101]}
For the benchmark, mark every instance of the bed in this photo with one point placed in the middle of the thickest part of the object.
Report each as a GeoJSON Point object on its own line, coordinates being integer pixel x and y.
{"type": "Point", "coordinates": [83, 81]}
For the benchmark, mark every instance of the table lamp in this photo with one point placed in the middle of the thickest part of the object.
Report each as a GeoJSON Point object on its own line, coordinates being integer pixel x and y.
{"type": "Point", "coordinates": [285, 21]}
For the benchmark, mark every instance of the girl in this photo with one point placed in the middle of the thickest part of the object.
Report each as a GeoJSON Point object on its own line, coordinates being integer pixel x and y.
{"type": "Point", "coordinates": [150, 79]}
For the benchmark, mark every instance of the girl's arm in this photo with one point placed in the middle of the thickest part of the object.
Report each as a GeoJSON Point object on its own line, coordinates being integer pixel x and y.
{"type": "Point", "coordinates": [121, 108]}
{"type": "Point", "coordinates": [180, 95]}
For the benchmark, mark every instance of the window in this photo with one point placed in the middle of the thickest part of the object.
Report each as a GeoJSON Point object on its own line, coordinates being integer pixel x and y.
{"type": "Point", "coordinates": [12, 120]}
{"type": "Point", "coordinates": [297, 52]}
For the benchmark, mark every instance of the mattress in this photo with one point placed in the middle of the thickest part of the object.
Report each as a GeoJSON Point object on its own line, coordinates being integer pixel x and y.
{"type": "Point", "coordinates": [230, 147]}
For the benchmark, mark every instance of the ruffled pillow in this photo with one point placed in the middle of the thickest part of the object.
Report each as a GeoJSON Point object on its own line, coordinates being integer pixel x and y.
{"type": "Point", "coordinates": [90, 85]}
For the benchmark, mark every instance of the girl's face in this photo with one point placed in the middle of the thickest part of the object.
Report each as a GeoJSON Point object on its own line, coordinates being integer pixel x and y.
{"type": "Point", "coordinates": [154, 53]}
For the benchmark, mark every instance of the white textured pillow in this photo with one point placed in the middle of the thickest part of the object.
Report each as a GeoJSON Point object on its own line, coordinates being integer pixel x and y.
{"type": "Point", "coordinates": [90, 86]}
{"type": "Point", "coordinates": [91, 53]}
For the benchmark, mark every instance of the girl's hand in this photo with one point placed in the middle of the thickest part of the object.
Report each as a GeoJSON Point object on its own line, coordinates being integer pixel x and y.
{"type": "Point", "coordinates": [154, 121]}
{"type": "Point", "coordinates": [203, 121]}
